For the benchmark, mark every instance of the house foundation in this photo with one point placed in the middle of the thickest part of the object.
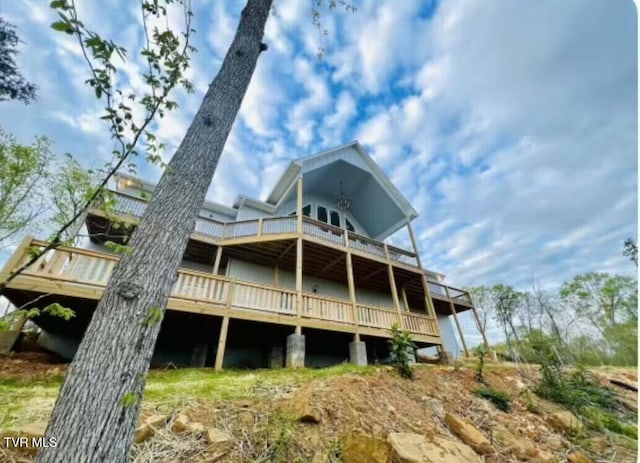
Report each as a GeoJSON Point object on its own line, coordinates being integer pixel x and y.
{"type": "Point", "coordinates": [276, 357]}
{"type": "Point", "coordinates": [358, 353]}
{"type": "Point", "coordinates": [198, 356]}
{"type": "Point", "coordinates": [295, 351]}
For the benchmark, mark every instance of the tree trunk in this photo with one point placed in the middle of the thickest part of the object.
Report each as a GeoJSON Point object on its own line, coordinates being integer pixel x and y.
{"type": "Point", "coordinates": [95, 415]}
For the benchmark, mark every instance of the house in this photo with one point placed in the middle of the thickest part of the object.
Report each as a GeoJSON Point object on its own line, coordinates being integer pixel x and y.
{"type": "Point", "coordinates": [304, 277]}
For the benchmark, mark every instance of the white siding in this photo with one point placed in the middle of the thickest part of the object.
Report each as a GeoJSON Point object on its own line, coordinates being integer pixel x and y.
{"type": "Point", "coordinates": [248, 213]}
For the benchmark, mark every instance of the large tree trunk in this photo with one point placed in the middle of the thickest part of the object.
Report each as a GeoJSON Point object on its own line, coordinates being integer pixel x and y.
{"type": "Point", "coordinates": [95, 415]}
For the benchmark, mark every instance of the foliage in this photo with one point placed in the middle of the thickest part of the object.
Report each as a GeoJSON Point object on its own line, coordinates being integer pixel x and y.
{"type": "Point", "coordinates": [498, 398]}
{"type": "Point", "coordinates": [13, 86]}
{"type": "Point", "coordinates": [401, 345]}
{"type": "Point", "coordinates": [55, 310]}
{"type": "Point", "coordinates": [24, 170]}
{"type": "Point", "coordinates": [129, 116]}
{"type": "Point", "coordinates": [481, 352]}
{"type": "Point", "coordinates": [630, 250]}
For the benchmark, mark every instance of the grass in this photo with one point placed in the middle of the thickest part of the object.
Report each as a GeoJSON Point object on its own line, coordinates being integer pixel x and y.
{"type": "Point", "coordinates": [498, 398]}
{"type": "Point", "coordinates": [24, 402]}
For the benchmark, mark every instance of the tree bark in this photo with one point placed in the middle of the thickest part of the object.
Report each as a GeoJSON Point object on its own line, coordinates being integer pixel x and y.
{"type": "Point", "coordinates": [95, 416]}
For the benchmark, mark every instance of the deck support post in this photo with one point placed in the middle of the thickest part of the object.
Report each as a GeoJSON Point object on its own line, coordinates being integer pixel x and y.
{"type": "Point", "coordinates": [358, 353]}
{"type": "Point", "coordinates": [430, 309]}
{"type": "Point", "coordinates": [216, 264]}
{"type": "Point", "coordinates": [455, 317]}
{"type": "Point", "coordinates": [295, 351]}
{"type": "Point", "coordinates": [276, 276]}
{"type": "Point", "coordinates": [222, 343]}
{"type": "Point", "coordinates": [16, 258]}
{"type": "Point", "coordinates": [352, 293]}
{"type": "Point", "coordinates": [299, 259]}
{"type": "Point", "coordinates": [394, 289]}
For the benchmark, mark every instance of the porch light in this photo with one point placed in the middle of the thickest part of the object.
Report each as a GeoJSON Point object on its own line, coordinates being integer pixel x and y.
{"type": "Point", "coordinates": [343, 201]}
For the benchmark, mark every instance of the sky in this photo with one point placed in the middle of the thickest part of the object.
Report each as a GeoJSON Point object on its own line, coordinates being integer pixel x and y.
{"type": "Point", "coordinates": [510, 126]}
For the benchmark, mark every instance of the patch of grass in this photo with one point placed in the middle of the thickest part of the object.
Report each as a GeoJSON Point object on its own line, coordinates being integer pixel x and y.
{"type": "Point", "coordinates": [189, 384]}
{"type": "Point", "coordinates": [602, 419]}
{"type": "Point", "coordinates": [498, 398]}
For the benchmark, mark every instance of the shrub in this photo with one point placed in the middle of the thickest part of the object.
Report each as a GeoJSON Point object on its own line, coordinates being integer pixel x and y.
{"type": "Point", "coordinates": [401, 345]}
{"type": "Point", "coordinates": [498, 398]}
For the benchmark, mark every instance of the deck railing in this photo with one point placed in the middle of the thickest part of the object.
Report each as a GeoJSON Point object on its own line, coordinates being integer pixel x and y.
{"type": "Point", "coordinates": [210, 228]}
{"type": "Point", "coordinates": [84, 267]}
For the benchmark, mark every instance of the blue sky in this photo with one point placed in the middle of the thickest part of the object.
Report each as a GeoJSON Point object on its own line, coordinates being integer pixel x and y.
{"type": "Point", "coordinates": [510, 126]}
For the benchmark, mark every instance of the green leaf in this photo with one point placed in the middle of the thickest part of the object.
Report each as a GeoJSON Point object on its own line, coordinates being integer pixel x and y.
{"type": "Point", "coordinates": [61, 26]}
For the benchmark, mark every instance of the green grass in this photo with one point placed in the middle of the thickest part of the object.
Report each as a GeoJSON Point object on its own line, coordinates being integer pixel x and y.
{"type": "Point", "coordinates": [498, 398]}
{"type": "Point", "coordinates": [30, 401]}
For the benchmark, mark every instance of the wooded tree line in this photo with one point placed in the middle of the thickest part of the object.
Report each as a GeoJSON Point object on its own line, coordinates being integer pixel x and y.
{"type": "Point", "coordinates": [591, 319]}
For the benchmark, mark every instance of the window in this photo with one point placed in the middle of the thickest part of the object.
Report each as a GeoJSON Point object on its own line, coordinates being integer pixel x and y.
{"type": "Point", "coordinates": [306, 210]}
{"type": "Point", "coordinates": [349, 225]}
{"type": "Point", "coordinates": [335, 218]}
{"type": "Point", "coordinates": [322, 214]}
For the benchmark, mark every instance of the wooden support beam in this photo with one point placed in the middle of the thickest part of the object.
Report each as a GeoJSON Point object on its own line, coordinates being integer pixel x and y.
{"type": "Point", "coordinates": [394, 294]}
{"type": "Point", "coordinates": [299, 284]}
{"type": "Point", "coordinates": [330, 265]}
{"type": "Point", "coordinates": [276, 276]}
{"type": "Point", "coordinates": [414, 243]}
{"type": "Point", "coordinates": [404, 299]}
{"type": "Point", "coordinates": [260, 225]}
{"type": "Point", "coordinates": [299, 205]}
{"type": "Point", "coordinates": [455, 317]}
{"type": "Point", "coordinates": [216, 264]}
{"type": "Point", "coordinates": [371, 274]}
{"type": "Point", "coordinates": [222, 343]}
{"type": "Point", "coordinates": [352, 294]}
{"type": "Point", "coordinates": [286, 250]}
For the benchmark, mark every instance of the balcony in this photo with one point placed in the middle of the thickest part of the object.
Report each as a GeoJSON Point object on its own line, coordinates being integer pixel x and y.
{"type": "Point", "coordinates": [82, 273]}
{"type": "Point", "coordinates": [246, 231]}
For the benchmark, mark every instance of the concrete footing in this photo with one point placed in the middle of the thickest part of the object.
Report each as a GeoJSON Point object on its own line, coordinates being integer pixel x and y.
{"type": "Point", "coordinates": [295, 351]}
{"type": "Point", "coordinates": [198, 356]}
{"type": "Point", "coordinates": [276, 357]}
{"type": "Point", "coordinates": [358, 353]}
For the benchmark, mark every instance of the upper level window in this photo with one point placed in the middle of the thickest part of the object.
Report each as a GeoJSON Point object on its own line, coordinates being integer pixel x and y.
{"type": "Point", "coordinates": [322, 214]}
{"type": "Point", "coordinates": [306, 210]}
{"type": "Point", "coordinates": [349, 225]}
{"type": "Point", "coordinates": [335, 218]}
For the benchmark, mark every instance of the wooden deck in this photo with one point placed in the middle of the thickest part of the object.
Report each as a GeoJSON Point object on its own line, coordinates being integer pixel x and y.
{"type": "Point", "coordinates": [83, 273]}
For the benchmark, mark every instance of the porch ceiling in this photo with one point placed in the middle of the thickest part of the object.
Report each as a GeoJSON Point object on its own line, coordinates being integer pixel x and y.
{"type": "Point", "coordinates": [371, 205]}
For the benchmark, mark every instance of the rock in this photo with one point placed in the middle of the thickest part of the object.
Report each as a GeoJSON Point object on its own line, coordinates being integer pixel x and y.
{"type": "Point", "coordinates": [304, 412]}
{"type": "Point", "coordinates": [180, 424]}
{"type": "Point", "coordinates": [148, 427]}
{"type": "Point", "coordinates": [556, 442]}
{"type": "Point", "coordinates": [468, 434]}
{"type": "Point", "coordinates": [9, 438]}
{"type": "Point", "coordinates": [216, 437]}
{"type": "Point", "coordinates": [565, 421]}
{"type": "Point", "coordinates": [543, 457]}
{"type": "Point", "coordinates": [359, 448]}
{"type": "Point", "coordinates": [415, 448]}
{"type": "Point", "coordinates": [510, 443]}
{"type": "Point", "coordinates": [578, 457]}
{"type": "Point", "coordinates": [195, 427]}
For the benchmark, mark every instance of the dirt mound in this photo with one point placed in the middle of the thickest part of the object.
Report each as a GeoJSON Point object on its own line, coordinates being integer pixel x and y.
{"type": "Point", "coordinates": [30, 365]}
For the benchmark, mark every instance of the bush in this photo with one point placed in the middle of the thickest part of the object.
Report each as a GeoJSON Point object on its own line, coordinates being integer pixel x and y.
{"type": "Point", "coordinates": [401, 345]}
{"type": "Point", "coordinates": [498, 398]}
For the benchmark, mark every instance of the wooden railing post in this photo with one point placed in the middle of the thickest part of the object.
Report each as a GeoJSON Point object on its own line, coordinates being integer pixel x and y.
{"type": "Point", "coordinates": [260, 224]}
{"type": "Point", "coordinates": [455, 317]}
{"type": "Point", "coordinates": [16, 258]}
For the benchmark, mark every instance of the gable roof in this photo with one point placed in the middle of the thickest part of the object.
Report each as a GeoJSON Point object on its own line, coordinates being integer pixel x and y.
{"type": "Point", "coordinates": [316, 161]}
